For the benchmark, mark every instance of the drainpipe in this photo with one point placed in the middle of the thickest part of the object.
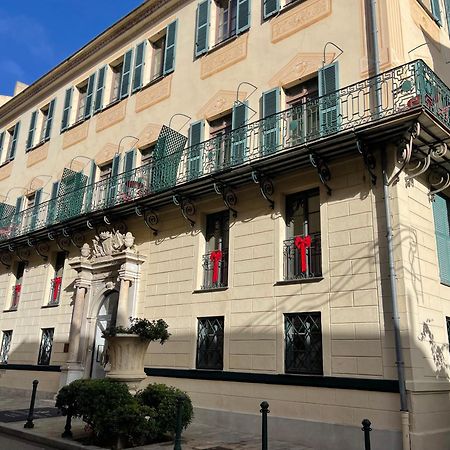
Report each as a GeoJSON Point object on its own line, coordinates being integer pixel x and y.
{"type": "Point", "coordinates": [389, 235]}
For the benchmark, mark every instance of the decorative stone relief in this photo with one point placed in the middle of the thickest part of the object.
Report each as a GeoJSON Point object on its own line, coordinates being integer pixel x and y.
{"type": "Point", "coordinates": [224, 57]}
{"type": "Point", "coordinates": [298, 18]}
{"type": "Point", "coordinates": [301, 65]}
{"type": "Point", "coordinates": [219, 103]}
{"type": "Point", "coordinates": [153, 94]}
{"type": "Point", "coordinates": [76, 134]}
{"type": "Point", "coordinates": [38, 154]}
{"type": "Point", "coordinates": [106, 154]}
{"type": "Point", "coordinates": [108, 243]}
{"type": "Point", "coordinates": [149, 135]}
{"type": "Point", "coordinates": [5, 171]}
{"type": "Point", "coordinates": [111, 116]}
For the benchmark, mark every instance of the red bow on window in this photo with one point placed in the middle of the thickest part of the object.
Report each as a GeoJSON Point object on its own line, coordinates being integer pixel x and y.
{"type": "Point", "coordinates": [302, 243]}
{"type": "Point", "coordinates": [17, 288]}
{"type": "Point", "coordinates": [56, 286]}
{"type": "Point", "coordinates": [215, 257]}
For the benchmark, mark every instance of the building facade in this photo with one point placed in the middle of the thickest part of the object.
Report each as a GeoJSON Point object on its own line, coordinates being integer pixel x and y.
{"type": "Point", "coordinates": [242, 169]}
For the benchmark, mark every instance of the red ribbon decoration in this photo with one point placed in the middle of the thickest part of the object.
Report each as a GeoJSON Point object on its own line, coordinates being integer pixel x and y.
{"type": "Point", "coordinates": [17, 288]}
{"type": "Point", "coordinates": [215, 257]}
{"type": "Point", "coordinates": [56, 286]}
{"type": "Point", "coordinates": [302, 243]}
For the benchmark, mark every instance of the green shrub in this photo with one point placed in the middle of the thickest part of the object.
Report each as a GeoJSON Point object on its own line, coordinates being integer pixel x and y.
{"type": "Point", "coordinates": [150, 330]}
{"type": "Point", "coordinates": [164, 400]}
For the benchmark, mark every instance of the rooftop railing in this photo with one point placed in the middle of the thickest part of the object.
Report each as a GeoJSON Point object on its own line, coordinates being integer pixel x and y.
{"type": "Point", "coordinates": [401, 89]}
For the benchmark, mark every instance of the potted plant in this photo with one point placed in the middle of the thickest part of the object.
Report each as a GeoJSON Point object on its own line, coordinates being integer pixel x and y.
{"type": "Point", "coordinates": [127, 347]}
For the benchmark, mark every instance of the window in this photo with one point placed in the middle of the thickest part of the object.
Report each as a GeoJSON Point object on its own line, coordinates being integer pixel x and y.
{"type": "Point", "coordinates": [441, 212]}
{"type": "Point", "coordinates": [302, 247]}
{"type": "Point", "coordinates": [17, 288]}
{"type": "Point", "coordinates": [105, 171]}
{"type": "Point", "coordinates": [304, 117]}
{"type": "Point", "coordinates": [447, 321]}
{"type": "Point", "coordinates": [44, 114]}
{"type": "Point", "coordinates": [12, 135]}
{"type": "Point", "coordinates": [303, 343]}
{"type": "Point", "coordinates": [82, 96]}
{"type": "Point", "coordinates": [271, 7]}
{"type": "Point", "coordinates": [220, 131]}
{"type": "Point", "coordinates": [147, 154]}
{"type": "Point", "coordinates": [117, 70]}
{"type": "Point", "coordinates": [215, 261]}
{"type": "Point", "coordinates": [232, 17]}
{"type": "Point", "coordinates": [45, 349]}
{"type": "Point", "coordinates": [210, 343]}
{"type": "Point", "coordinates": [6, 345]}
{"type": "Point", "coordinates": [56, 282]}
{"type": "Point", "coordinates": [158, 58]}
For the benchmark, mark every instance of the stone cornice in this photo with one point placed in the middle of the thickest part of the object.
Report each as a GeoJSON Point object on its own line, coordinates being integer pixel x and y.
{"type": "Point", "coordinates": [116, 31]}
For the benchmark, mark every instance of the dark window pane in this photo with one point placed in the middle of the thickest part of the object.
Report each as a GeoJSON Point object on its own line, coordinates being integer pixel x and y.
{"type": "Point", "coordinates": [45, 350]}
{"type": "Point", "coordinates": [210, 343]}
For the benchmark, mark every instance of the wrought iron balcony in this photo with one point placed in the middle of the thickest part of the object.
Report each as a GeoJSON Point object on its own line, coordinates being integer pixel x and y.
{"type": "Point", "coordinates": [15, 297]}
{"type": "Point", "coordinates": [302, 257]}
{"type": "Point", "coordinates": [215, 269]}
{"type": "Point", "coordinates": [411, 88]}
{"type": "Point", "coordinates": [55, 290]}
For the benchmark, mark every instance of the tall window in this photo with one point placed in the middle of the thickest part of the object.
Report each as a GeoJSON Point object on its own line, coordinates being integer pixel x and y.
{"type": "Point", "coordinates": [226, 19]}
{"type": "Point", "coordinates": [304, 117]}
{"type": "Point", "coordinates": [6, 345]}
{"type": "Point", "coordinates": [82, 97]}
{"type": "Point", "coordinates": [220, 131]}
{"type": "Point", "coordinates": [56, 282]}
{"type": "Point", "coordinates": [302, 247]}
{"type": "Point", "coordinates": [44, 115]}
{"type": "Point", "coordinates": [12, 134]}
{"type": "Point", "coordinates": [303, 343]}
{"type": "Point", "coordinates": [441, 212]}
{"type": "Point", "coordinates": [210, 343]}
{"type": "Point", "coordinates": [117, 71]}
{"type": "Point", "coordinates": [158, 57]}
{"type": "Point", "coordinates": [45, 349]}
{"type": "Point", "coordinates": [215, 260]}
{"type": "Point", "coordinates": [17, 288]}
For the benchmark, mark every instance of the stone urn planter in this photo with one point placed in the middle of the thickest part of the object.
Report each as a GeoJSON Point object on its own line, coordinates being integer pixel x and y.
{"type": "Point", "coordinates": [127, 347]}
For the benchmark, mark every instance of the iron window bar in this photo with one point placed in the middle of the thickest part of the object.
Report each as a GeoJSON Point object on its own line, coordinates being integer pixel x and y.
{"type": "Point", "coordinates": [15, 297]}
{"type": "Point", "coordinates": [215, 270]}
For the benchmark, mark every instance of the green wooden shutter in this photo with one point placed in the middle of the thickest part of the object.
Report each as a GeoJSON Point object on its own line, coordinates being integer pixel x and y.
{"type": "Point", "coordinates": [169, 51]}
{"type": "Point", "coordinates": [243, 15]}
{"type": "Point", "coordinates": [90, 187]}
{"type": "Point", "coordinates": [129, 161]}
{"type": "Point", "coordinates": [271, 7]}
{"type": "Point", "coordinates": [447, 14]}
{"type": "Point", "coordinates": [112, 182]}
{"type": "Point", "coordinates": [2, 142]}
{"type": "Point", "coordinates": [51, 208]}
{"type": "Point", "coordinates": [202, 29]}
{"type": "Point", "coordinates": [89, 96]}
{"type": "Point", "coordinates": [126, 73]}
{"type": "Point", "coordinates": [98, 104]}
{"type": "Point", "coordinates": [67, 107]}
{"type": "Point", "coordinates": [436, 10]}
{"type": "Point", "coordinates": [329, 99]}
{"type": "Point", "coordinates": [48, 127]}
{"type": "Point", "coordinates": [239, 134]}
{"type": "Point", "coordinates": [31, 130]}
{"type": "Point", "coordinates": [138, 66]}
{"type": "Point", "coordinates": [15, 136]}
{"type": "Point", "coordinates": [36, 209]}
{"type": "Point", "coordinates": [270, 125]}
{"type": "Point", "coordinates": [196, 136]}
{"type": "Point", "coordinates": [17, 216]}
{"type": "Point", "coordinates": [442, 230]}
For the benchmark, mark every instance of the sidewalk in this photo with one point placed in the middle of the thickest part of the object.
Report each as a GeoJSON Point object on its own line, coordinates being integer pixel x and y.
{"type": "Point", "coordinates": [47, 431]}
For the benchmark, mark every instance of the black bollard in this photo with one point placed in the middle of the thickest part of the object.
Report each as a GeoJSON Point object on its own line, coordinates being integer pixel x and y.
{"type": "Point", "coordinates": [264, 411]}
{"type": "Point", "coordinates": [366, 428]}
{"type": "Point", "coordinates": [29, 423]}
{"type": "Point", "coordinates": [68, 427]}
{"type": "Point", "coordinates": [179, 425]}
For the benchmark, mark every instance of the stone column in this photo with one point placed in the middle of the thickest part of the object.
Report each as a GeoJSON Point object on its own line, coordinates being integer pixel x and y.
{"type": "Point", "coordinates": [122, 307]}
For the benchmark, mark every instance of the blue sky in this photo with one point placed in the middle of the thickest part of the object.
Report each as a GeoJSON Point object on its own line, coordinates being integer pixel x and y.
{"type": "Point", "coordinates": [36, 35]}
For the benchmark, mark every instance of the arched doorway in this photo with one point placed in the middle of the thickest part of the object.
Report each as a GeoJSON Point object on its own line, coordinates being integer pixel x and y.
{"type": "Point", "coordinates": [107, 315]}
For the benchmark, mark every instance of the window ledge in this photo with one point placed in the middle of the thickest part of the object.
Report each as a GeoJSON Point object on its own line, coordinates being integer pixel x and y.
{"type": "Point", "coordinates": [74, 125]}
{"type": "Point", "coordinates": [109, 105]}
{"type": "Point", "coordinates": [299, 281]}
{"type": "Point", "coordinates": [6, 162]}
{"type": "Point", "coordinates": [10, 310]}
{"type": "Point", "coordinates": [223, 43]}
{"type": "Point", "coordinates": [151, 83]}
{"type": "Point", "coordinates": [283, 9]}
{"type": "Point", "coordinates": [50, 306]}
{"type": "Point", "coordinates": [39, 144]}
{"type": "Point", "coordinates": [219, 289]}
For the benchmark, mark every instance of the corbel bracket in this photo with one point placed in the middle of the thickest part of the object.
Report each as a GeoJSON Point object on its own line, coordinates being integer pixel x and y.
{"type": "Point", "coordinates": [439, 179]}
{"type": "Point", "coordinates": [41, 248]}
{"type": "Point", "coordinates": [265, 186]}
{"type": "Point", "coordinates": [404, 151]}
{"type": "Point", "coordinates": [186, 206]}
{"type": "Point", "coordinates": [369, 159]}
{"type": "Point", "coordinates": [151, 219]}
{"type": "Point", "coordinates": [322, 169]}
{"type": "Point", "coordinates": [6, 260]}
{"type": "Point", "coordinates": [229, 197]}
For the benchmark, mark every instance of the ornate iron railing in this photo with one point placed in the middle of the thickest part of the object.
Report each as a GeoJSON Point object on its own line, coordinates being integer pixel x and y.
{"type": "Point", "coordinates": [302, 257]}
{"type": "Point", "coordinates": [15, 297]}
{"type": "Point", "coordinates": [55, 290]}
{"type": "Point", "coordinates": [400, 89]}
{"type": "Point", "coordinates": [215, 269]}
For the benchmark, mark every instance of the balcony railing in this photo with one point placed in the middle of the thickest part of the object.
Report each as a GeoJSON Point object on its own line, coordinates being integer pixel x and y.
{"type": "Point", "coordinates": [302, 257]}
{"type": "Point", "coordinates": [55, 290]}
{"type": "Point", "coordinates": [215, 269]}
{"type": "Point", "coordinates": [15, 297]}
{"type": "Point", "coordinates": [401, 89]}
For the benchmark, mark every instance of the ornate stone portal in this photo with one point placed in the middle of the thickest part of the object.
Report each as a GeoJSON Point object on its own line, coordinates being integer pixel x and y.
{"type": "Point", "coordinates": [112, 263]}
